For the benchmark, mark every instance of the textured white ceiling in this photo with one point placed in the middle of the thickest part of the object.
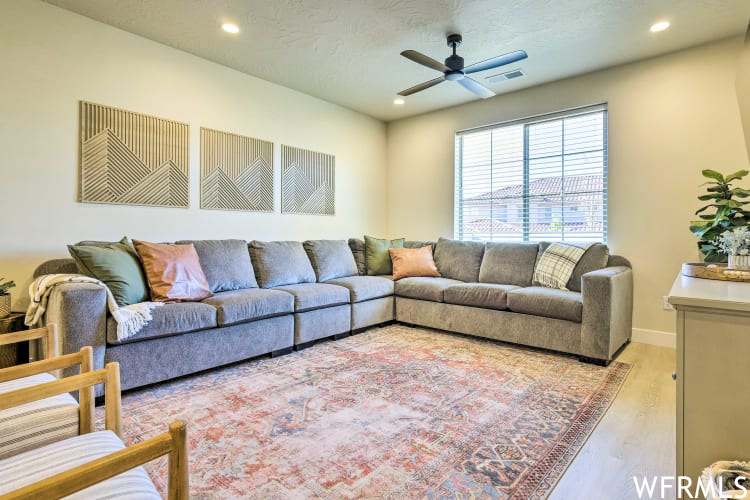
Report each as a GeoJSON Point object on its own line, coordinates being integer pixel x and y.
{"type": "Point", "coordinates": [347, 51]}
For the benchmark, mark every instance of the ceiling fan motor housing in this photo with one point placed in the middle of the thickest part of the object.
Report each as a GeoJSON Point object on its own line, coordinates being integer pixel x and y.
{"type": "Point", "coordinates": [454, 39]}
{"type": "Point", "coordinates": [455, 62]}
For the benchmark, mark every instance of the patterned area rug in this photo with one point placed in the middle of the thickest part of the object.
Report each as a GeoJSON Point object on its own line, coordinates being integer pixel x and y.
{"type": "Point", "coordinates": [394, 412]}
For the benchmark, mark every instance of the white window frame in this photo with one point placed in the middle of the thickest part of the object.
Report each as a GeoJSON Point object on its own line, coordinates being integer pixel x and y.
{"type": "Point", "coordinates": [457, 192]}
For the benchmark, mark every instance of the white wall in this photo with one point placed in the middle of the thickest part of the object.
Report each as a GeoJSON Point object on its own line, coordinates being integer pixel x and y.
{"type": "Point", "coordinates": [51, 58]}
{"type": "Point", "coordinates": [669, 118]}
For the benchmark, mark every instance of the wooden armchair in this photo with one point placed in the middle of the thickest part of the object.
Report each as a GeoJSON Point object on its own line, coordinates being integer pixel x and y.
{"type": "Point", "coordinates": [97, 462]}
{"type": "Point", "coordinates": [48, 335]}
{"type": "Point", "coordinates": [52, 419]}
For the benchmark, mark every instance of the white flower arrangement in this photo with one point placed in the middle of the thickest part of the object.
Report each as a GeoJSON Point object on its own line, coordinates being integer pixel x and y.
{"type": "Point", "coordinates": [735, 242]}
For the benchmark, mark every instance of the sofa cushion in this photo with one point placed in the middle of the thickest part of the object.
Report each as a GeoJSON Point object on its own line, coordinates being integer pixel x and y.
{"type": "Point", "coordinates": [331, 259]}
{"type": "Point", "coordinates": [35, 465]}
{"type": "Point", "coordinates": [418, 244]}
{"type": "Point", "coordinates": [595, 258]}
{"type": "Point", "coordinates": [39, 423]}
{"type": "Point", "coordinates": [508, 263]}
{"type": "Point", "coordinates": [173, 272]}
{"type": "Point", "coordinates": [487, 295]}
{"type": "Point", "coordinates": [170, 319]}
{"type": "Point", "coordinates": [226, 264]}
{"type": "Point", "coordinates": [308, 296]}
{"type": "Point", "coordinates": [459, 260]}
{"type": "Point", "coordinates": [238, 306]}
{"type": "Point", "coordinates": [547, 302]}
{"type": "Point", "coordinates": [281, 263]}
{"type": "Point", "coordinates": [357, 247]}
{"type": "Point", "coordinates": [363, 288]}
{"type": "Point", "coordinates": [377, 258]}
{"type": "Point", "coordinates": [424, 288]}
{"type": "Point", "coordinates": [117, 266]}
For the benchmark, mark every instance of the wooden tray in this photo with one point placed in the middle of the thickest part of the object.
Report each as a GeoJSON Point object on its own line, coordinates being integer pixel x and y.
{"type": "Point", "coordinates": [715, 272]}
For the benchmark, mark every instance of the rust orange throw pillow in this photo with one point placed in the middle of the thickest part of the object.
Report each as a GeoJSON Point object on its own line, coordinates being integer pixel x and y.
{"type": "Point", "coordinates": [173, 272]}
{"type": "Point", "coordinates": [411, 262]}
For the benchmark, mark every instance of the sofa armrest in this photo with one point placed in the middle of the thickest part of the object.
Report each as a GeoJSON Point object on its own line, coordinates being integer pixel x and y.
{"type": "Point", "coordinates": [607, 311]}
{"type": "Point", "coordinates": [80, 312]}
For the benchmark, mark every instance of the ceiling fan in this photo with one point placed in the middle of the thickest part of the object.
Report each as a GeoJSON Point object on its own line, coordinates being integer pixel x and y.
{"type": "Point", "coordinates": [455, 71]}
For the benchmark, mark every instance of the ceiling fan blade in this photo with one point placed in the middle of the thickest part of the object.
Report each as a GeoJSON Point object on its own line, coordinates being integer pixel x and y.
{"type": "Point", "coordinates": [495, 62]}
{"type": "Point", "coordinates": [422, 86]}
{"type": "Point", "coordinates": [476, 87]}
{"type": "Point", "coordinates": [424, 60]}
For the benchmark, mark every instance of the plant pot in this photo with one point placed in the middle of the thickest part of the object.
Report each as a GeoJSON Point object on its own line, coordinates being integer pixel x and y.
{"type": "Point", "coordinates": [739, 262]}
{"type": "Point", "coordinates": [5, 305]}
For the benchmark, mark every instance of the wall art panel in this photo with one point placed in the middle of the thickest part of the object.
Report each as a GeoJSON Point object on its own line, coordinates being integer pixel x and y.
{"type": "Point", "coordinates": [307, 182]}
{"type": "Point", "coordinates": [236, 172]}
{"type": "Point", "coordinates": [129, 158]}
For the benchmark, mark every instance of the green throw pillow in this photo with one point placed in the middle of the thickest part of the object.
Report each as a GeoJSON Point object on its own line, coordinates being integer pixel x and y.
{"type": "Point", "coordinates": [377, 258]}
{"type": "Point", "coordinates": [117, 266]}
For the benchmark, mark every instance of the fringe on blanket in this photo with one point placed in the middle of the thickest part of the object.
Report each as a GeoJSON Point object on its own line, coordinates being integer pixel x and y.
{"type": "Point", "coordinates": [130, 319]}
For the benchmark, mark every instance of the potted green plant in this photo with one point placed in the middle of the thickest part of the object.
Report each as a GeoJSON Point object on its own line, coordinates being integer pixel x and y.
{"type": "Point", "coordinates": [724, 212]}
{"type": "Point", "coordinates": [5, 297]}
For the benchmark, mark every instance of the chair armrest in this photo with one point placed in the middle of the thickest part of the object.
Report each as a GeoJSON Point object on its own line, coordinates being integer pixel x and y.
{"type": "Point", "coordinates": [47, 333]}
{"type": "Point", "coordinates": [80, 312]}
{"type": "Point", "coordinates": [109, 376]}
{"type": "Point", "coordinates": [607, 311]}
{"type": "Point", "coordinates": [84, 358]}
{"type": "Point", "coordinates": [83, 476]}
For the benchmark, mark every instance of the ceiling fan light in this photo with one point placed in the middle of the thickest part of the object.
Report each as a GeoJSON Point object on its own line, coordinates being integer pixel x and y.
{"type": "Point", "coordinates": [398, 101]}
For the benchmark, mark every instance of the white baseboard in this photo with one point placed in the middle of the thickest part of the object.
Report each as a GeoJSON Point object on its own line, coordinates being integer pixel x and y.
{"type": "Point", "coordinates": [655, 337]}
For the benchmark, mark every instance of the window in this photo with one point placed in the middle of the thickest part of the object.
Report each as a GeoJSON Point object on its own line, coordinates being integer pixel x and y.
{"type": "Point", "coordinates": [542, 178]}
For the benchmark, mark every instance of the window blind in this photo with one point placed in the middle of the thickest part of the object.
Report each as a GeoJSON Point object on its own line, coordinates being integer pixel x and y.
{"type": "Point", "coordinates": [541, 178]}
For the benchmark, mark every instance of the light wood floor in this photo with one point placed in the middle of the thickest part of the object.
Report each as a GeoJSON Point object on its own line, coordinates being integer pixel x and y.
{"type": "Point", "coordinates": [635, 437]}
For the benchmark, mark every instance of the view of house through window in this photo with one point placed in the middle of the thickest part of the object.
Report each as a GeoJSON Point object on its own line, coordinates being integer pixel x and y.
{"type": "Point", "coordinates": [543, 178]}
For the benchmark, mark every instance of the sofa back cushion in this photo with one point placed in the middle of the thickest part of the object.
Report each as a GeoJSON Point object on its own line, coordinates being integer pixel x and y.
{"type": "Point", "coordinates": [57, 266]}
{"type": "Point", "coordinates": [117, 266]}
{"type": "Point", "coordinates": [618, 261]}
{"type": "Point", "coordinates": [377, 258]}
{"type": "Point", "coordinates": [357, 247]}
{"type": "Point", "coordinates": [459, 260]}
{"type": "Point", "coordinates": [508, 263]}
{"type": "Point", "coordinates": [331, 259]}
{"type": "Point", "coordinates": [226, 264]}
{"type": "Point", "coordinates": [173, 272]}
{"type": "Point", "coordinates": [596, 257]}
{"type": "Point", "coordinates": [419, 244]}
{"type": "Point", "coordinates": [281, 263]}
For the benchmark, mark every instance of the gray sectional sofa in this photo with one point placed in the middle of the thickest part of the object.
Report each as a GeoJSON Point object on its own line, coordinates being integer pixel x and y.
{"type": "Point", "coordinates": [300, 293]}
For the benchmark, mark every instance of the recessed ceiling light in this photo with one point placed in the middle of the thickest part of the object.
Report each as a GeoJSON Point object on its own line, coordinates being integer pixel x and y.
{"type": "Point", "coordinates": [660, 26]}
{"type": "Point", "coordinates": [398, 101]}
{"type": "Point", "coordinates": [230, 28]}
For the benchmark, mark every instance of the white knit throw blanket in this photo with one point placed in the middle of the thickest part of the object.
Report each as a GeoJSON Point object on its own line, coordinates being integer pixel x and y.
{"type": "Point", "coordinates": [130, 319]}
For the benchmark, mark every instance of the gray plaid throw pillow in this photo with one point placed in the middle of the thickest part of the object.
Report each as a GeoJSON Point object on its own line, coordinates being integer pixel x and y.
{"type": "Point", "coordinates": [556, 265]}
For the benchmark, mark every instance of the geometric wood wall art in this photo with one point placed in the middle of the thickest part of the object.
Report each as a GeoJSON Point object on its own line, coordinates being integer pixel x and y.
{"type": "Point", "coordinates": [129, 158]}
{"type": "Point", "coordinates": [236, 172]}
{"type": "Point", "coordinates": [307, 182]}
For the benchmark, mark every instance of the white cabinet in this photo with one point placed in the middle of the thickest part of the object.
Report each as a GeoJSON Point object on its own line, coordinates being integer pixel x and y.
{"type": "Point", "coordinates": [713, 372]}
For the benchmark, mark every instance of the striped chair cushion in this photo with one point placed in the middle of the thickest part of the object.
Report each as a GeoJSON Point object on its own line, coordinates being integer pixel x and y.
{"type": "Point", "coordinates": [33, 466]}
{"type": "Point", "coordinates": [36, 424]}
